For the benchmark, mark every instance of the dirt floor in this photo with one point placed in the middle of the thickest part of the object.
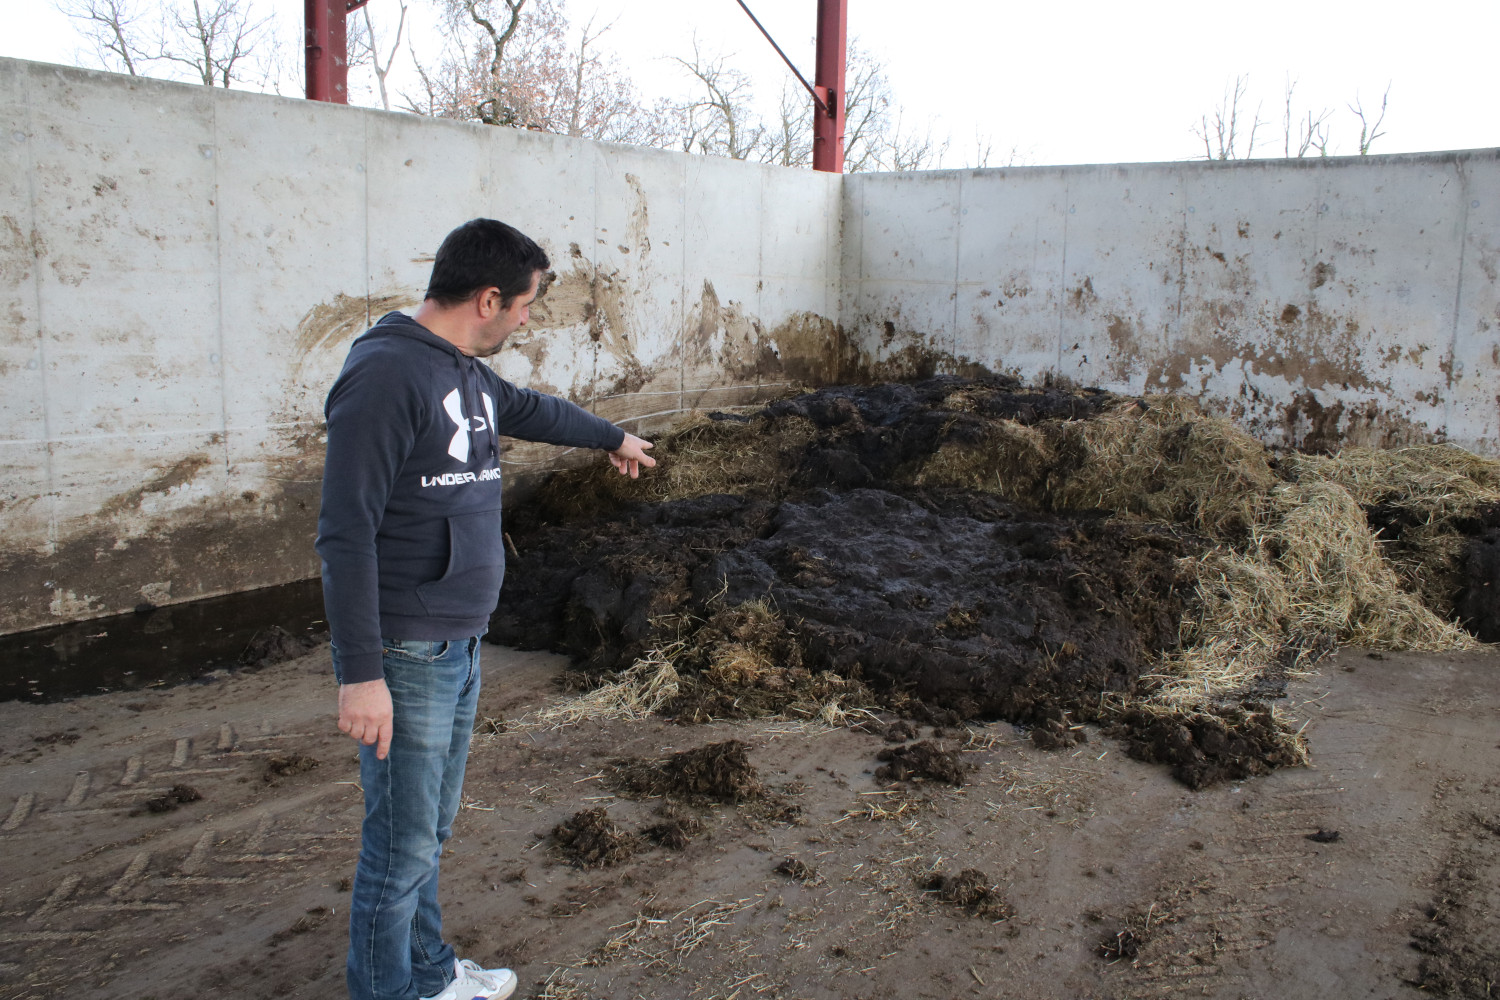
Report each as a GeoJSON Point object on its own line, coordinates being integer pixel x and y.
{"type": "Point", "coordinates": [198, 840]}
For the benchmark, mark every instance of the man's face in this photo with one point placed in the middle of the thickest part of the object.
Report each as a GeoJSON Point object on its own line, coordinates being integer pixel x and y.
{"type": "Point", "coordinates": [507, 320]}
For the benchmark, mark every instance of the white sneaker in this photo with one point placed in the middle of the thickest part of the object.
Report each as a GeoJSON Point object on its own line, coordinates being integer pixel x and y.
{"type": "Point", "coordinates": [473, 983]}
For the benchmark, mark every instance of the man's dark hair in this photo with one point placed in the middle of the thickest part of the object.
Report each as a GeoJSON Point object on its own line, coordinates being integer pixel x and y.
{"type": "Point", "coordinates": [484, 253]}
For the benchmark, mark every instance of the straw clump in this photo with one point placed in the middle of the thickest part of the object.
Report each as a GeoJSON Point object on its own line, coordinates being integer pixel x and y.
{"type": "Point", "coordinates": [719, 454]}
{"type": "Point", "coordinates": [1009, 459]}
{"type": "Point", "coordinates": [1164, 461]}
{"type": "Point", "coordinates": [1425, 501]}
{"type": "Point", "coordinates": [746, 662]}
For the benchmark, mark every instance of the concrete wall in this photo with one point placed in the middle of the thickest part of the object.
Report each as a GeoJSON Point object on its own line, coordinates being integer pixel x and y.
{"type": "Point", "coordinates": [1321, 302]}
{"type": "Point", "coordinates": [182, 270]}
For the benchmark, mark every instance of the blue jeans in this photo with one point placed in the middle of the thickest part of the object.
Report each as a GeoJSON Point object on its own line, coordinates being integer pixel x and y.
{"type": "Point", "coordinates": [396, 946]}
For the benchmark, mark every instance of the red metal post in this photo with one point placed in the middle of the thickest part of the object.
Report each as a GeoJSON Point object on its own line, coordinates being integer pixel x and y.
{"type": "Point", "coordinates": [833, 47]}
{"type": "Point", "coordinates": [328, 48]}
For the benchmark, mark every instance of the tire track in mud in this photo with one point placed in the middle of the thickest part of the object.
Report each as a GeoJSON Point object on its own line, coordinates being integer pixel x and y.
{"type": "Point", "coordinates": [1317, 878]}
{"type": "Point", "coordinates": [158, 875]}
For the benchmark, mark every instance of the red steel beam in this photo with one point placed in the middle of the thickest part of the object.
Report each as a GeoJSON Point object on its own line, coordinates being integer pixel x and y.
{"type": "Point", "coordinates": [327, 38]}
{"type": "Point", "coordinates": [828, 82]}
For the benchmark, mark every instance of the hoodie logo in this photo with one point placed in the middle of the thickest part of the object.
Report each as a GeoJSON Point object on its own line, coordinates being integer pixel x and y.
{"type": "Point", "coordinates": [453, 405]}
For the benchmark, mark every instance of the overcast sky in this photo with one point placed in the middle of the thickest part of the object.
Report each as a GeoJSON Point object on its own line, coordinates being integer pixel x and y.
{"type": "Point", "coordinates": [1076, 82]}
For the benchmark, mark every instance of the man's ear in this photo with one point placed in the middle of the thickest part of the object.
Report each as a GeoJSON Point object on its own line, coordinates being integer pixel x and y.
{"type": "Point", "coordinates": [487, 301]}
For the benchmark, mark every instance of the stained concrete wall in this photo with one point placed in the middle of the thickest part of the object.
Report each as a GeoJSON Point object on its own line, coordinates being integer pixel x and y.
{"type": "Point", "coordinates": [182, 270]}
{"type": "Point", "coordinates": [1321, 302]}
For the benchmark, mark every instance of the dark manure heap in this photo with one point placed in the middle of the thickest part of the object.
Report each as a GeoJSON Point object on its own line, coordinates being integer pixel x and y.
{"type": "Point", "coordinates": [976, 549]}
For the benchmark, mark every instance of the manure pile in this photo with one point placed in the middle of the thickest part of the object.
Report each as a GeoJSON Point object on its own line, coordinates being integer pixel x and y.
{"type": "Point", "coordinates": [960, 549]}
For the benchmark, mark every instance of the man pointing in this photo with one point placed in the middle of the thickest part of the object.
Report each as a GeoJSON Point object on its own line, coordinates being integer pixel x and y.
{"type": "Point", "coordinates": [410, 538]}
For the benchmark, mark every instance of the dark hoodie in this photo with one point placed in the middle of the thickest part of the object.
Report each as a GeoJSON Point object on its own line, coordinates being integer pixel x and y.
{"type": "Point", "coordinates": [409, 530]}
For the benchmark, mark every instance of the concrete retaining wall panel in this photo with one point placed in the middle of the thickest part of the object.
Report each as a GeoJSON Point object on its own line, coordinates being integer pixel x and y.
{"type": "Point", "coordinates": [1473, 404]}
{"type": "Point", "coordinates": [908, 252]}
{"type": "Point", "coordinates": [1321, 302]}
{"type": "Point", "coordinates": [797, 337]}
{"type": "Point", "coordinates": [185, 269]}
{"type": "Point", "coordinates": [1121, 228]}
{"type": "Point", "coordinates": [1010, 266]}
{"type": "Point", "coordinates": [536, 178]}
{"type": "Point", "coordinates": [638, 310]}
{"type": "Point", "coordinates": [721, 281]}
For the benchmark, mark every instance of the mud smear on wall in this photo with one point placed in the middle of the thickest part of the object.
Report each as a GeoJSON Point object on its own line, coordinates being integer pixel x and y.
{"type": "Point", "coordinates": [1327, 429]}
{"type": "Point", "coordinates": [335, 324]}
{"type": "Point", "coordinates": [903, 354]}
{"type": "Point", "coordinates": [722, 340]}
{"type": "Point", "coordinates": [639, 228]}
{"type": "Point", "coordinates": [721, 343]}
{"type": "Point", "coordinates": [597, 300]}
{"type": "Point", "coordinates": [179, 474]}
{"type": "Point", "coordinates": [805, 348]}
{"type": "Point", "coordinates": [1301, 344]}
{"type": "Point", "coordinates": [208, 523]}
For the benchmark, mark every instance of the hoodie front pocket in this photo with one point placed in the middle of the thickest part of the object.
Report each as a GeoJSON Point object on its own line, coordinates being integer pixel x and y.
{"type": "Point", "coordinates": [470, 586]}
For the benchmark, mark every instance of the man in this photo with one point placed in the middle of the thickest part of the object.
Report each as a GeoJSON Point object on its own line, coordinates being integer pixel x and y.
{"type": "Point", "coordinates": [409, 534]}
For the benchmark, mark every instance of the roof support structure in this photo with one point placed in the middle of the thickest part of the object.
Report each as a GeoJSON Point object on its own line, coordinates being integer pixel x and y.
{"type": "Point", "coordinates": [828, 85]}
{"type": "Point", "coordinates": [828, 92]}
{"type": "Point", "coordinates": [327, 40]}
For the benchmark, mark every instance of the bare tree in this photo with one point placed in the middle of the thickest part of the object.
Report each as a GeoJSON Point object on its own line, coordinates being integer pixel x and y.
{"type": "Point", "coordinates": [364, 46]}
{"type": "Point", "coordinates": [1221, 136]}
{"type": "Point", "coordinates": [524, 67]}
{"type": "Point", "coordinates": [1368, 133]}
{"type": "Point", "coordinates": [867, 109]}
{"type": "Point", "coordinates": [874, 135]}
{"type": "Point", "coordinates": [111, 26]}
{"type": "Point", "coordinates": [719, 118]}
{"type": "Point", "coordinates": [600, 101]}
{"type": "Point", "coordinates": [1311, 132]}
{"type": "Point", "coordinates": [789, 140]}
{"type": "Point", "coordinates": [901, 150]}
{"type": "Point", "coordinates": [490, 109]}
{"type": "Point", "coordinates": [211, 38]}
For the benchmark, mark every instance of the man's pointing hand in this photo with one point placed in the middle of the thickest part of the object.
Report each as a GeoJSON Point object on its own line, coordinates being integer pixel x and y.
{"type": "Point", "coordinates": [630, 456]}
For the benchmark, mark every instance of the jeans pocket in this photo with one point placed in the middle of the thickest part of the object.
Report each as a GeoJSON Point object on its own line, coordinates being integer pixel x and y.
{"type": "Point", "coordinates": [416, 650]}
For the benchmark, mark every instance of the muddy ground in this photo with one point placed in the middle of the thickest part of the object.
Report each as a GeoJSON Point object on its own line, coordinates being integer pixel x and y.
{"type": "Point", "coordinates": [198, 841]}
